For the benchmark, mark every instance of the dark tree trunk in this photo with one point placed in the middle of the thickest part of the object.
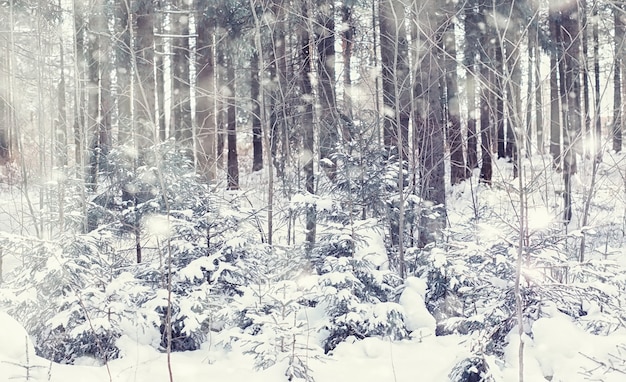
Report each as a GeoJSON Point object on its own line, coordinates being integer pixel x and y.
{"type": "Point", "coordinates": [586, 131]}
{"type": "Point", "coordinates": [596, 72]}
{"type": "Point", "coordinates": [307, 130]}
{"type": "Point", "coordinates": [499, 104]}
{"type": "Point", "coordinates": [555, 110]}
{"type": "Point", "coordinates": [159, 59]}
{"type": "Point", "coordinates": [429, 120]}
{"type": "Point", "coordinates": [395, 74]}
{"type": "Point", "coordinates": [538, 96]}
{"type": "Point", "coordinates": [618, 12]}
{"type": "Point", "coordinates": [347, 43]}
{"type": "Point", "coordinates": [328, 133]}
{"type": "Point", "coordinates": [144, 100]}
{"type": "Point", "coordinates": [488, 82]}
{"type": "Point", "coordinates": [458, 169]}
{"type": "Point", "coordinates": [472, 38]}
{"type": "Point", "coordinates": [233, 162]}
{"type": "Point", "coordinates": [123, 72]}
{"type": "Point", "coordinates": [205, 89]}
{"type": "Point", "coordinates": [181, 94]}
{"type": "Point", "coordinates": [79, 101]}
{"type": "Point", "coordinates": [257, 143]}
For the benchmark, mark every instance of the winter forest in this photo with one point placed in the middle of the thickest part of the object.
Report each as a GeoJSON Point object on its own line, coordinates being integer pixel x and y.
{"type": "Point", "coordinates": [312, 190]}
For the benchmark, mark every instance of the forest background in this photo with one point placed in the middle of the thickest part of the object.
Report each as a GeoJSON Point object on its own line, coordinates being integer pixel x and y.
{"type": "Point", "coordinates": [181, 166]}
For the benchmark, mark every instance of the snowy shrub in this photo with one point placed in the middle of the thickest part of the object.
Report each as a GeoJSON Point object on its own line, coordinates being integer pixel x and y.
{"type": "Point", "coordinates": [359, 301]}
{"type": "Point", "coordinates": [269, 321]}
{"type": "Point", "coordinates": [73, 300]}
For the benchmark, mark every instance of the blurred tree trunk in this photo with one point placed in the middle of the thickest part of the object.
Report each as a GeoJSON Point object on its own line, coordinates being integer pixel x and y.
{"type": "Point", "coordinates": [486, 108]}
{"type": "Point", "coordinates": [181, 93]}
{"type": "Point", "coordinates": [395, 77]}
{"type": "Point", "coordinates": [347, 36]}
{"type": "Point", "coordinates": [428, 119]}
{"type": "Point", "coordinates": [472, 36]}
{"type": "Point", "coordinates": [538, 95]}
{"type": "Point", "coordinates": [257, 133]}
{"type": "Point", "coordinates": [555, 110]}
{"type": "Point", "coordinates": [233, 162]}
{"type": "Point", "coordinates": [144, 91]}
{"type": "Point", "coordinates": [596, 72]}
{"type": "Point", "coordinates": [308, 138]}
{"type": "Point", "coordinates": [328, 118]}
{"type": "Point", "coordinates": [205, 91]}
{"type": "Point", "coordinates": [123, 71]}
{"type": "Point", "coordinates": [458, 169]}
{"type": "Point", "coordinates": [618, 13]}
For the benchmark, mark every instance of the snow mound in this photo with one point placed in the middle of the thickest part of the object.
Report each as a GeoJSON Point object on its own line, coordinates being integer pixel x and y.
{"type": "Point", "coordinates": [16, 345]}
{"type": "Point", "coordinates": [417, 317]}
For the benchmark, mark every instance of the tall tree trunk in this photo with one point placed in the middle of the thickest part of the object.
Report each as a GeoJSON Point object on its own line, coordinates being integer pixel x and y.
{"type": "Point", "coordinates": [617, 77]}
{"type": "Point", "coordinates": [123, 71]}
{"type": "Point", "coordinates": [307, 128]}
{"type": "Point", "coordinates": [555, 110]}
{"type": "Point", "coordinates": [532, 55]}
{"type": "Point", "coordinates": [458, 169]}
{"type": "Point", "coordinates": [586, 113]}
{"type": "Point", "coordinates": [325, 41]}
{"type": "Point", "coordinates": [428, 119]}
{"type": "Point", "coordinates": [159, 62]}
{"type": "Point", "coordinates": [257, 133]}
{"type": "Point", "coordinates": [499, 96]}
{"type": "Point", "coordinates": [181, 94]}
{"type": "Point", "coordinates": [205, 90]}
{"type": "Point", "coordinates": [486, 90]}
{"type": "Point", "coordinates": [472, 38]}
{"type": "Point", "coordinates": [233, 162]}
{"type": "Point", "coordinates": [596, 73]}
{"type": "Point", "coordinates": [144, 91]}
{"type": "Point", "coordinates": [347, 36]}
{"type": "Point", "coordinates": [538, 96]}
{"type": "Point", "coordinates": [395, 77]}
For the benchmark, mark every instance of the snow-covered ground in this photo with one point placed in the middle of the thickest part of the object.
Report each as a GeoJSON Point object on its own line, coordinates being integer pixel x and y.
{"type": "Point", "coordinates": [559, 350]}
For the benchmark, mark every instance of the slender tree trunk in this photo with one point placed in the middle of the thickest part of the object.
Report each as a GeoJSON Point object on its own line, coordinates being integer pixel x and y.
{"type": "Point", "coordinates": [532, 55]}
{"type": "Point", "coordinates": [395, 77]}
{"type": "Point", "coordinates": [472, 38]}
{"type": "Point", "coordinates": [428, 119]}
{"type": "Point", "coordinates": [347, 36]}
{"type": "Point", "coordinates": [257, 133]}
{"type": "Point", "coordinates": [307, 127]}
{"type": "Point", "coordinates": [181, 93]}
{"type": "Point", "coordinates": [144, 95]}
{"type": "Point", "coordinates": [160, 46]}
{"type": "Point", "coordinates": [205, 91]}
{"type": "Point", "coordinates": [325, 41]}
{"type": "Point", "coordinates": [555, 110]}
{"type": "Point", "coordinates": [586, 113]}
{"type": "Point", "coordinates": [618, 13]}
{"type": "Point", "coordinates": [486, 75]}
{"type": "Point", "coordinates": [123, 71]}
{"type": "Point", "coordinates": [233, 162]}
{"type": "Point", "coordinates": [458, 168]}
{"type": "Point", "coordinates": [538, 96]}
{"type": "Point", "coordinates": [596, 72]}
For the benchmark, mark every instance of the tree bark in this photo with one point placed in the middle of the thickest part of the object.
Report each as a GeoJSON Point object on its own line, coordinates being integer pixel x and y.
{"type": "Point", "coordinates": [205, 107]}
{"type": "Point", "coordinates": [233, 161]}
{"type": "Point", "coordinates": [144, 95]}
{"type": "Point", "coordinates": [395, 77]}
{"type": "Point", "coordinates": [428, 120]}
{"type": "Point", "coordinates": [617, 77]}
{"type": "Point", "coordinates": [328, 118]}
{"type": "Point", "coordinates": [181, 93]}
{"type": "Point", "coordinates": [458, 169]}
{"type": "Point", "coordinates": [307, 128]}
{"type": "Point", "coordinates": [257, 133]}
